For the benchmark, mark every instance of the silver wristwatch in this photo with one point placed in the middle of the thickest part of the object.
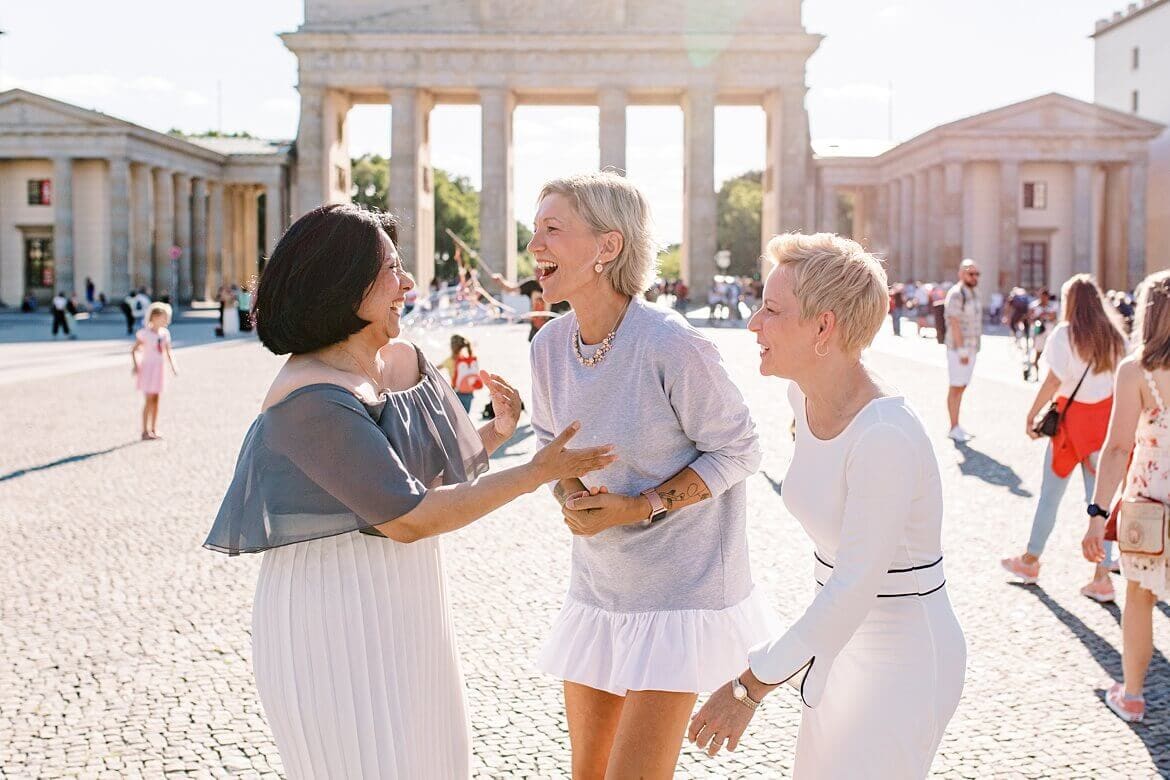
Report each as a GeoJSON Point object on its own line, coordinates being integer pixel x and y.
{"type": "Point", "coordinates": [740, 692]}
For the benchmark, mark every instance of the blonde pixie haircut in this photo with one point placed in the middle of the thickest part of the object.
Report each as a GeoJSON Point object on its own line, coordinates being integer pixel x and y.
{"type": "Point", "coordinates": [831, 273]}
{"type": "Point", "coordinates": [608, 202]}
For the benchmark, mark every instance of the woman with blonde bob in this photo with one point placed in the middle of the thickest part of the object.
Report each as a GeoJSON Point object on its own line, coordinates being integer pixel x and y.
{"type": "Point", "coordinates": [878, 657]}
{"type": "Point", "coordinates": [661, 604]}
{"type": "Point", "coordinates": [1082, 353]}
{"type": "Point", "coordinates": [1140, 426]}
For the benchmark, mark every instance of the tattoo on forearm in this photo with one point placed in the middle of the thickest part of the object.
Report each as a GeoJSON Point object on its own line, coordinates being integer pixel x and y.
{"type": "Point", "coordinates": [693, 492]}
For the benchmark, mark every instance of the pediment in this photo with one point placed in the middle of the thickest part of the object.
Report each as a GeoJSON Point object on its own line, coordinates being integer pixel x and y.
{"type": "Point", "coordinates": [1056, 114]}
{"type": "Point", "coordinates": [24, 109]}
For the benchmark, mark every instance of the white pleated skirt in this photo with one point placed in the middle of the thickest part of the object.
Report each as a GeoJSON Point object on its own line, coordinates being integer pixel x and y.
{"type": "Point", "coordinates": [889, 695]}
{"type": "Point", "coordinates": [356, 660]}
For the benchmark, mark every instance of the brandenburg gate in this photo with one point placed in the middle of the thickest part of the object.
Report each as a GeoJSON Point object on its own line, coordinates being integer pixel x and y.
{"type": "Point", "coordinates": [503, 53]}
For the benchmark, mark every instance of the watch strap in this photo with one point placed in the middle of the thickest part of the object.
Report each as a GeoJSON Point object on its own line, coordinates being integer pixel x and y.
{"type": "Point", "coordinates": [657, 508]}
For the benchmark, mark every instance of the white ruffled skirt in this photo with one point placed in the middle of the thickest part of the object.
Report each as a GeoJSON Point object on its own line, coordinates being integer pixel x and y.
{"type": "Point", "coordinates": [685, 650]}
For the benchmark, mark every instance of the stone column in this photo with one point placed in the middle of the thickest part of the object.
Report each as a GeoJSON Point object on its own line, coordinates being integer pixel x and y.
{"type": "Point", "coordinates": [199, 240]}
{"type": "Point", "coordinates": [786, 177]}
{"type": "Point", "coordinates": [1082, 227]}
{"type": "Point", "coordinates": [921, 265]}
{"type": "Point", "coordinates": [119, 183]}
{"type": "Point", "coordinates": [164, 231]}
{"type": "Point", "coordinates": [893, 226]}
{"type": "Point", "coordinates": [227, 269]}
{"type": "Point", "coordinates": [183, 234]}
{"type": "Point", "coordinates": [935, 193]}
{"type": "Point", "coordinates": [1009, 221]}
{"type": "Point", "coordinates": [273, 217]}
{"type": "Point", "coordinates": [63, 223]}
{"type": "Point", "coordinates": [215, 232]}
{"type": "Point", "coordinates": [906, 229]}
{"type": "Point", "coordinates": [858, 226]}
{"type": "Point", "coordinates": [251, 235]}
{"type": "Point", "coordinates": [830, 208]}
{"type": "Point", "coordinates": [1136, 254]}
{"type": "Point", "coordinates": [412, 193]}
{"type": "Point", "coordinates": [612, 131]}
{"type": "Point", "coordinates": [142, 242]}
{"type": "Point", "coordinates": [699, 203]}
{"type": "Point", "coordinates": [497, 221]}
{"type": "Point", "coordinates": [312, 161]}
{"type": "Point", "coordinates": [952, 226]}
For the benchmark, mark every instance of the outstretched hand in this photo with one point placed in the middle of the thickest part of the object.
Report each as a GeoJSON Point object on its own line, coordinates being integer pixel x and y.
{"type": "Point", "coordinates": [505, 403]}
{"type": "Point", "coordinates": [721, 719]}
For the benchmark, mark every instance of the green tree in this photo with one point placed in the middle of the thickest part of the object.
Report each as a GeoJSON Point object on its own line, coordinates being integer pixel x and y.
{"type": "Point", "coordinates": [670, 262]}
{"type": "Point", "coordinates": [740, 206]}
{"type": "Point", "coordinates": [370, 175]}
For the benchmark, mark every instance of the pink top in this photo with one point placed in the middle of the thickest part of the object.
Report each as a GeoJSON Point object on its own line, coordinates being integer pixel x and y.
{"type": "Point", "coordinates": [152, 359]}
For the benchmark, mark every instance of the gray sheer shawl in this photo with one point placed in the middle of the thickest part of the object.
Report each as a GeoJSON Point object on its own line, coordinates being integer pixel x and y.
{"type": "Point", "coordinates": [321, 462]}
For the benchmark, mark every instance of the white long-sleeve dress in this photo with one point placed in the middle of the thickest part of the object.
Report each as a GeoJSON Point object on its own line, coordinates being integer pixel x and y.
{"type": "Point", "coordinates": [879, 657]}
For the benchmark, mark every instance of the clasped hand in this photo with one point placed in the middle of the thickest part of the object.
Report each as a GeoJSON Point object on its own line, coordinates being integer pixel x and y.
{"type": "Point", "coordinates": [721, 719]}
{"type": "Point", "coordinates": [589, 512]}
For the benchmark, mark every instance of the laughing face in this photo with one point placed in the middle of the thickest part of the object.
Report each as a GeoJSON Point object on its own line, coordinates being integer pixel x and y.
{"type": "Point", "coordinates": [383, 303]}
{"type": "Point", "coordinates": [565, 250]}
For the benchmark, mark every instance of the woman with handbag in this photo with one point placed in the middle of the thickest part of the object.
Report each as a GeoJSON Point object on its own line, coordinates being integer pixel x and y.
{"type": "Point", "coordinates": [1082, 353]}
{"type": "Point", "coordinates": [1140, 424]}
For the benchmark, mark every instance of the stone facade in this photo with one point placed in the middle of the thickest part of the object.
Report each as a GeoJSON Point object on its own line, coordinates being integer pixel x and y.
{"type": "Point", "coordinates": [119, 196]}
{"type": "Point", "coordinates": [1131, 63]}
{"type": "Point", "coordinates": [1035, 191]}
{"type": "Point", "coordinates": [611, 53]}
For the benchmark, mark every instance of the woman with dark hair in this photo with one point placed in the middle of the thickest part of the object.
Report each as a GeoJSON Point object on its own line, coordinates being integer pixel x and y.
{"type": "Point", "coordinates": [361, 456]}
{"type": "Point", "coordinates": [1082, 353]}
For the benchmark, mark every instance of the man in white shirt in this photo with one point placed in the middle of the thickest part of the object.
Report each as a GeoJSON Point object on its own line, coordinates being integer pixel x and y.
{"type": "Point", "coordinates": [58, 307]}
{"type": "Point", "coordinates": [964, 317]}
{"type": "Point", "coordinates": [140, 305]}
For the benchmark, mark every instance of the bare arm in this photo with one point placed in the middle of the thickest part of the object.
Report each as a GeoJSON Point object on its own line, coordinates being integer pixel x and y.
{"type": "Point", "coordinates": [171, 360]}
{"type": "Point", "coordinates": [1044, 395]}
{"type": "Point", "coordinates": [1114, 461]}
{"type": "Point", "coordinates": [956, 327]}
{"type": "Point", "coordinates": [134, 354]}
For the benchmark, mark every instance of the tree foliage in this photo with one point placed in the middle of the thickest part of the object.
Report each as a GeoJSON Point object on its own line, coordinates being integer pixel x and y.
{"type": "Point", "coordinates": [456, 208]}
{"type": "Point", "coordinates": [740, 205]}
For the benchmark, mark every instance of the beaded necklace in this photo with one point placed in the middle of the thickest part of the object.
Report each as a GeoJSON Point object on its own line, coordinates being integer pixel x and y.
{"type": "Point", "coordinates": [605, 345]}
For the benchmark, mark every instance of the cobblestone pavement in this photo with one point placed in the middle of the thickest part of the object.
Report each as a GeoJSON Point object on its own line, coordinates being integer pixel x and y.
{"type": "Point", "coordinates": [124, 647]}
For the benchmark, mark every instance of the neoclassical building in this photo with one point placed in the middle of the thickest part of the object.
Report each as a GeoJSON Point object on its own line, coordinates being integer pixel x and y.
{"type": "Point", "coordinates": [1035, 191]}
{"type": "Point", "coordinates": [83, 194]}
{"type": "Point", "coordinates": [609, 53]}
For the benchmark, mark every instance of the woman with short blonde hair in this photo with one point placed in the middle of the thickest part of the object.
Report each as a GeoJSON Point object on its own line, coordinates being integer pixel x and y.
{"type": "Point", "coordinates": [1082, 353]}
{"type": "Point", "coordinates": [1139, 433]}
{"type": "Point", "coordinates": [878, 657]}
{"type": "Point", "coordinates": [661, 604]}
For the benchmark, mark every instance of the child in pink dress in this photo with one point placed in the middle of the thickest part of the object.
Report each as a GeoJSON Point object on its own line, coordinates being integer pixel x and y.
{"type": "Point", "coordinates": [154, 343]}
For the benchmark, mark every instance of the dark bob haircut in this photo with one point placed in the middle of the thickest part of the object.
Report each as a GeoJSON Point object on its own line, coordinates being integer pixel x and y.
{"type": "Point", "coordinates": [312, 286]}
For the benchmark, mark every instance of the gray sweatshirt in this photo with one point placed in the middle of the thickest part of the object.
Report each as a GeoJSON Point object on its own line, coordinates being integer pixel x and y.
{"type": "Point", "coordinates": [663, 397]}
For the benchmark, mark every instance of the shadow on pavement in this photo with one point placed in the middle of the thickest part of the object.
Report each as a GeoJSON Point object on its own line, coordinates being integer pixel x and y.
{"type": "Point", "coordinates": [508, 448]}
{"type": "Point", "coordinates": [990, 470]}
{"type": "Point", "coordinates": [777, 484]}
{"type": "Point", "coordinates": [1152, 732]}
{"type": "Point", "coordinates": [66, 460]}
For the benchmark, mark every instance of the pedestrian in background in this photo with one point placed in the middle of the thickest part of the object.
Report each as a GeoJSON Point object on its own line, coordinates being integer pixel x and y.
{"type": "Point", "coordinates": [57, 306]}
{"type": "Point", "coordinates": [1139, 432]}
{"type": "Point", "coordinates": [72, 307]}
{"type": "Point", "coordinates": [140, 304]}
{"type": "Point", "coordinates": [153, 343]}
{"type": "Point", "coordinates": [964, 329]}
{"type": "Point", "coordinates": [90, 292]}
{"type": "Point", "coordinates": [127, 308]}
{"type": "Point", "coordinates": [1083, 352]}
{"type": "Point", "coordinates": [897, 307]}
{"type": "Point", "coordinates": [463, 368]}
{"type": "Point", "coordinates": [244, 303]}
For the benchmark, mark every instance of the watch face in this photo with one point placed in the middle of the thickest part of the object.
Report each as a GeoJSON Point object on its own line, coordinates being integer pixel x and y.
{"type": "Point", "coordinates": [739, 691]}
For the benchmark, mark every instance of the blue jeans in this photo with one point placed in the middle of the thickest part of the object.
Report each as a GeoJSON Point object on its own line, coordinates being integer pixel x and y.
{"type": "Point", "coordinates": [1052, 490]}
{"type": "Point", "coordinates": [465, 399]}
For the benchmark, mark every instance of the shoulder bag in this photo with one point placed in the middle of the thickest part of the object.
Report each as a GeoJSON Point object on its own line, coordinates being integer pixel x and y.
{"type": "Point", "coordinates": [1050, 423]}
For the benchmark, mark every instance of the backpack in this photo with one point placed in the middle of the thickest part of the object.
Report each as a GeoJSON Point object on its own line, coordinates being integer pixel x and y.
{"type": "Point", "coordinates": [466, 375]}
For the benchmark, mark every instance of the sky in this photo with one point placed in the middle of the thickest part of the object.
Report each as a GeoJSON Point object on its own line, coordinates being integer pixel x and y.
{"type": "Point", "coordinates": [887, 70]}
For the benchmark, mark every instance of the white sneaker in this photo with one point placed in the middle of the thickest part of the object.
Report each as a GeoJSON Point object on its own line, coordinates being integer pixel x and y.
{"type": "Point", "coordinates": [958, 434]}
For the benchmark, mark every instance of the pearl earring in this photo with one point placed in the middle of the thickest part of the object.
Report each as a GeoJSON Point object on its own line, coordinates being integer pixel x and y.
{"type": "Point", "coordinates": [598, 267]}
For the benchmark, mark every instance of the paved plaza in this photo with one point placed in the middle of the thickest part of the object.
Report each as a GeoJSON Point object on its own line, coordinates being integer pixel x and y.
{"type": "Point", "coordinates": [124, 646]}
